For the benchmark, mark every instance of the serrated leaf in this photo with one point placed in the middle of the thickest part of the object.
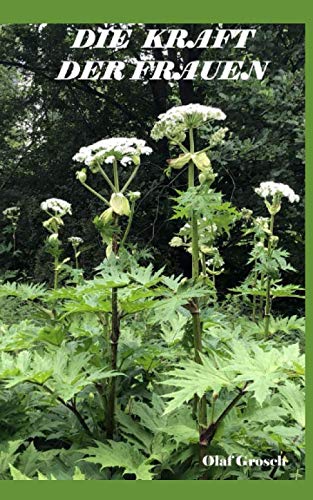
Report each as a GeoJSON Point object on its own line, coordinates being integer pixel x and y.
{"type": "Point", "coordinates": [293, 401]}
{"type": "Point", "coordinates": [190, 378]}
{"type": "Point", "coordinates": [122, 455]}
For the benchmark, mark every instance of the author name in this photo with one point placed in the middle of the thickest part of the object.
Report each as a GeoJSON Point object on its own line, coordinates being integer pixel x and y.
{"type": "Point", "coordinates": [242, 461]}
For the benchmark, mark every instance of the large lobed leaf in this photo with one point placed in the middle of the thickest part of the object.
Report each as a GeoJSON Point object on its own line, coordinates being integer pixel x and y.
{"type": "Point", "coordinates": [119, 454]}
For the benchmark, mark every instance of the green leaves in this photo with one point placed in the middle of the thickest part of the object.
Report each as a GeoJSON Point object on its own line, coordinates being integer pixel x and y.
{"type": "Point", "coordinates": [8, 454]}
{"type": "Point", "coordinates": [62, 373]}
{"type": "Point", "coordinates": [293, 401]}
{"type": "Point", "coordinates": [173, 329]}
{"type": "Point", "coordinates": [122, 455]}
{"type": "Point", "coordinates": [190, 378]}
{"type": "Point", "coordinates": [22, 291]}
{"type": "Point", "coordinates": [244, 363]}
{"type": "Point", "coordinates": [207, 204]}
{"type": "Point", "coordinates": [17, 475]}
{"type": "Point", "coordinates": [263, 369]}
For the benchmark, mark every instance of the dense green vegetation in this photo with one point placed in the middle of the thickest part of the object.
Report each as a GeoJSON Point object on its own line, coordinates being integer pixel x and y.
{"type": "Point", "coordinates": [156, 315]}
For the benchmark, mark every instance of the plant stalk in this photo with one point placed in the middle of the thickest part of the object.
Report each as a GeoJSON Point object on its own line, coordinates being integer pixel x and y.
{"type": "Point", "coordinates": [267, 313]}
{"type": "Point", "coordinates": [56, 274]}
{"type": "Point", "coordinates": [108, 180]}
{"type": "Point", "coordinates": [115, 333]}
{"type": "Point", "coordinates": [95, 193]}
{"type": "Point", "coordinates": [115, 174]}
{"type": "Point", "coordinates": [114, 338]}
{"type": "Point", "coordinates": [196, 322]}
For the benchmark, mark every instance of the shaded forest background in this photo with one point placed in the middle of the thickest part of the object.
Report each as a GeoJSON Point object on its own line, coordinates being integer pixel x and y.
{"type": "Point", "coordinates": [43, 123]}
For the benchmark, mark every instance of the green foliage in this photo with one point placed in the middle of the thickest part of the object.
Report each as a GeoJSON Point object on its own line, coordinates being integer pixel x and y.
{"type": "Point", "coordinates": [259, 369]}
{"type": "Point", "coordinates": [121, 455]}
{"type": "Point", "coordinates": [63, 373]}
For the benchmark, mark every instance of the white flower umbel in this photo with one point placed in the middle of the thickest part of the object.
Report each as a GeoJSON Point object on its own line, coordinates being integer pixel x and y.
{"type": "Point", "coordinates": [177, 120]}
{"type": "Point", "coordinates": [122, 149]}
{"type": "Point", "coordinates": [57, 206]}
{"type": "Point", "coordinates": [75, 241]}
{"type": "Point", "coordinates": [272, 189]}
{"type": "Point", "coordinates": [11, 212]}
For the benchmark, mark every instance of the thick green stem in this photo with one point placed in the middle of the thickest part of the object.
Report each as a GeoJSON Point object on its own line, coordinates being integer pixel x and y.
{"type": "Point", "coordinates": [114, 338]}
{"type": "Point", "coordinates": [14, 241]}
{"type": "Point", "coordinates": [115, 174]}
{"type": "Point", "coordinates": [267, 313]}
{"type": "Point", "coordinates": [254, 298]}
{"type": "Point", "coordinates": [212, 410]}
{"type": "Point", "coordinates": [115, 333]}
{"type": "Point", "coordinates": [56, 273]}
{"type": "Point", "coordinates": [253, 307]}
{"type": "Point", "coordinates": [196, 322]}
{"type": "Point", "coordinates": [261, 298]}
{"type": "Point", "coordinates": [203, 264]}
{"type": "Point", "coordinates": [76, 261]}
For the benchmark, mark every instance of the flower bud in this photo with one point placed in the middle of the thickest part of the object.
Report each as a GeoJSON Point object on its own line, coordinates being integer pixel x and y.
{"type": "Point", "coordinates": [53, 238]}
{"type": "Point", "coordinates": [180, 162]}
{"type": "Point", "coordinates": [207, 175]}
{"type": "Point", "coordinates": [202, 161]}
{"type": "Point", "coordinates": [136, 160]}
{"type": "Point", "coordinates": [134, 195]}
{"type": "Point", "coordinates": [108, 250]}
{"type": "Point", "coordinates": [176, 242]}
{"type": "Point", "coordinates": [120, 204]}
{"type": "Point", "coordinates": [205, 249]}
{"type": "Point", "coordinates": [81, 176]}
{"type": "Point", "coordinates": [106, 216]}
{"type": "Point", "coordinates": [274, 240]}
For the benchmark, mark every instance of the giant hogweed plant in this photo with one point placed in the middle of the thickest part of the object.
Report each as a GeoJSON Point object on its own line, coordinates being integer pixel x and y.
{"type": "Point", "coordinates": [268, 260]}
{"type": "Point", "coordinates": [118, 152]}
{"type": "Point", "coordinates": [128, 374]}
{"type": "Point", "coordinates": [201, 206]}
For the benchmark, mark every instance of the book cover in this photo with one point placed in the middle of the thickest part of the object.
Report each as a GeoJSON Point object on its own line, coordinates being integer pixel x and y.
{"type": "Point", "coordinates": [152, 250]}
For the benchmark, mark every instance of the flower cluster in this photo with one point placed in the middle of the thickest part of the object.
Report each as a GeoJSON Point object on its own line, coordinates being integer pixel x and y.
{"type": "Point", "coordinates": [277, 189]}
{"type": "Point", "coordinates": [12, 213]}
{"type": "Point", "coordinates": [216, 261]}
{"type": "Point", "coordinates": [57, 206]}
{"type": "Point", "coordinates": [122, 149]}
{"type": "Point", "coordinates": [177, 120]}
{"type": "Point", "coordinates": [246, 214]}
{"type": "Point", "coordinates": [218, 136]}
{"type": "Point", "coordinates": [262, 223]}
{"type": "Point", "coordinates": [207, 233]}
{"type": "Point", "coordinates": [75, 241]}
